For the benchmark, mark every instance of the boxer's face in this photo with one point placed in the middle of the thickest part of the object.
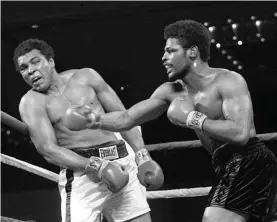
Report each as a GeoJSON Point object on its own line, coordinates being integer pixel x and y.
{"type": "Point", "coordinates": [36, 70]}
{"type": "Point", "coordinates": [175, 59]}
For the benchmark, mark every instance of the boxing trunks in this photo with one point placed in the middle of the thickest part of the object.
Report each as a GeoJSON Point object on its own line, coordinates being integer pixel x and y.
{"type": "Point", "coordinates": [246, 180]}
{"type": "Point", "coordinates": [85, 197]}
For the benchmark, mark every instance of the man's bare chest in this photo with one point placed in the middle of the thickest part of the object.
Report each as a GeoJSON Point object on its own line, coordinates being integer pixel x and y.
{"type": "Point", "coordinates": [73, 95]}
{"type": "Point", "coordinates": [206, 101]}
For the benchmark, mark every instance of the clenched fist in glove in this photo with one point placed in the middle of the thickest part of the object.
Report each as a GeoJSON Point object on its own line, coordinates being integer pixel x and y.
{"type": "Point", "coordinates": [181, 112]}
{"type": "Point", "coordinates": [150, 173]}
{"type": "Point", "coordinates": [112, 174]}
{"type": "Point", "coordinates": [80, 117]}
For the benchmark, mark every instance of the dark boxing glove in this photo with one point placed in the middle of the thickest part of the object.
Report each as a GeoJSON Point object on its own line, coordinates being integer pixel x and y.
{"type": "Point", "coordinates": [181, 112]}
{"type": "Point", "coordinates": [150, 173]}
{"type": "Point", "coordinates": [112, 174]}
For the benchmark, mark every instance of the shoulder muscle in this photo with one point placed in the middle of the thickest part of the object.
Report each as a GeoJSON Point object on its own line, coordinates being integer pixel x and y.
{"type": "Point", "coordinates": [231, 83]}
{"type": "Point", "coordinates": [162, 92]}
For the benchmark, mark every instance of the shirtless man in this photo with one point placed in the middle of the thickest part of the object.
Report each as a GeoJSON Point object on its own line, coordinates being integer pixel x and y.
{"type": "Point", "coordinates": [216, 104]}
{"type": "Point", "coordinates": [98, 168]}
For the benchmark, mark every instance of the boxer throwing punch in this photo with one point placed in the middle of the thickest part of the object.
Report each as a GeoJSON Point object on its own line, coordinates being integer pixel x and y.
{"type": "Point", "coordinates": [99, 173]}
{"type": "Point", "coordinates": [216, 104]}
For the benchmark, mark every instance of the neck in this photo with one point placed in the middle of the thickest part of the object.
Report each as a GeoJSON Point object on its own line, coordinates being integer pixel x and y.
{"type": "Point", "coordinates": [196, 74]}
{"type": "Point", "coordinates": [57, 85]}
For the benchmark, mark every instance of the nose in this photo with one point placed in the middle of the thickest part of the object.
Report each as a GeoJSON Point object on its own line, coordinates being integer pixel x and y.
{"type": "Point", "coordinates": [164, 57]}
{"type": "Point", "coordinates": [31, 70]}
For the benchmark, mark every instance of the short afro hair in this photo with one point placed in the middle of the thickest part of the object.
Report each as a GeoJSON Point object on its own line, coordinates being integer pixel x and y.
{"type": "Point", "coordinates": [190, 33]}
{"type": "Point", "coordinates": [30, 44]}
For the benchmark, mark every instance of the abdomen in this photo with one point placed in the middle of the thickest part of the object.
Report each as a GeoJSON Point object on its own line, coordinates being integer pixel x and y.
{"type": "Point", "coordinates": [84, 138]}
{"type": "Point", "coordinates": [209, 143]}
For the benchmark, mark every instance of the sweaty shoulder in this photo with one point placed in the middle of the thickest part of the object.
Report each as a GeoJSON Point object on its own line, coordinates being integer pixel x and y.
{"type": "Point", "coordinates": [164, 91]}
{"type": "Point", "coordinates": [31, 99]}
{"type": "Point", "coordinates": [229, 80]}
{"type": "Point", "coordinates": [84, 75]}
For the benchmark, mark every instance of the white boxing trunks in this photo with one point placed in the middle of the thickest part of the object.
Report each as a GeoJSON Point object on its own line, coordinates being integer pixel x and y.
{"type": "Point", "coordinates": [84, 198]}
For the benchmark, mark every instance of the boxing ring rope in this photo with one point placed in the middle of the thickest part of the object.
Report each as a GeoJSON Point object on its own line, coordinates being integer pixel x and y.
{"type": "Point", "coordinates": [197, 143]}
{"type": "Point", "coordinates": [7, 219]}
{"type": "Point", "coordinates": [190, 192]}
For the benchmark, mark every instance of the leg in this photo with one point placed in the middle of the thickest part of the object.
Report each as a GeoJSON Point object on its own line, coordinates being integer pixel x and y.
{"type": "Point", "coordinates": [130, 204]}
{"type": "Point", "coordinates": [82, 198]}
{"type": "Point", "coordinates": [244, 184]}
{"type": "Point", "coordinates": [218, 214]}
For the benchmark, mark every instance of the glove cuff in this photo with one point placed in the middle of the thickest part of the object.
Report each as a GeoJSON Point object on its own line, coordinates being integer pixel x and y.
{"type": "Point", "coordinates": [142, 156]}
{"type": "Point", "coordinates": [195, 120]}
{"type": "Point", "coordinates": [95, 166]}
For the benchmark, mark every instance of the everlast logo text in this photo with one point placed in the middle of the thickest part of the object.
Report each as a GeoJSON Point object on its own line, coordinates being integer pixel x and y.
{"type": "Point", "coordinates": [195, 119]}
{"type": "Point", "coordinates": [108, 153]}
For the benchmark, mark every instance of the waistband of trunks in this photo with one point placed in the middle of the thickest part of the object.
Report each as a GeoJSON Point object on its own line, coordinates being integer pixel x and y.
{"type": "Point", "coordinates": [112, 150]}
{"type": "Point", "coordinates": [227, 150]}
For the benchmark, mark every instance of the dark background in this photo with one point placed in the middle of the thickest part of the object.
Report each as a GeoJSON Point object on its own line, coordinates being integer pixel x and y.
{"type": "Point", "coordinates": [124, 42]}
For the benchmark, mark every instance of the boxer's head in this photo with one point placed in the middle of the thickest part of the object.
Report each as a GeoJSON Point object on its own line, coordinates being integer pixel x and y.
{"type": "Point", "coordinates": [186, 41]}
{"type": "Point", "coordinates": [34, 59]}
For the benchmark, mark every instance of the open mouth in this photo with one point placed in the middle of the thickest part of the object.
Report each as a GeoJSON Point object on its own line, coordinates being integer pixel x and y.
{"type": "Point", "coordinates": [36, 80]}
{"type": "Point", "coordinates": [168, 69]}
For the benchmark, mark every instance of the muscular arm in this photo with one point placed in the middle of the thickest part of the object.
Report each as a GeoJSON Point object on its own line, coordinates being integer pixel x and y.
{"type": "Point", "coordinates": [33, 113]}
{"type": "Point", "coordinates": [138, 114]}
{"type": "Point", "coordinates": [117, 119]}
{"type": "Point", "coordinates": [237, 110]}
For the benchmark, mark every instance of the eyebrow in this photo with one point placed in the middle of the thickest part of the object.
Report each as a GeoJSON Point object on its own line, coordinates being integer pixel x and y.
{"type": "Point", "coordinates": [32, 59]}
{"type": "Point", "coordinates": [169, 47]}
{"type": "Point", "coordinates": [36, 57]}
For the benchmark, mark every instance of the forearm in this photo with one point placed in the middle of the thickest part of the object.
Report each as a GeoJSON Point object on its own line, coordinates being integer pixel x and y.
{"type": "Point", "coordinates": [63, 157]}
{"type": "Point", "coordinates": [134, 138]}
{"type": "Point", "coordinates": [116, 121]}
{"type": "Point", "coordinates": [226, 130]}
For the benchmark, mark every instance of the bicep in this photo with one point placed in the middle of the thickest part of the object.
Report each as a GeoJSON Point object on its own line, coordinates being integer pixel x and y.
{"type": "Point", "coordinates": [39, 125]}
{"type": "Point", "coordinates": [147, 110]}
{"type": "Point", "coordinates": [105, 94]}
{"type": "Point", "coordinates": [151, 108]}
{"type": "Point", "coordinates": [237, 104]}
{"type": "Point", "coordinates": [109, 99]}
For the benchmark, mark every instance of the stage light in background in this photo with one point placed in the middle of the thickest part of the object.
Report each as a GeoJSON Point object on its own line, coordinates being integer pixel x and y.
{"type": "Point", "coordinates": [35, 26]}
{"type": "Point", "coordinates": [241, 31]}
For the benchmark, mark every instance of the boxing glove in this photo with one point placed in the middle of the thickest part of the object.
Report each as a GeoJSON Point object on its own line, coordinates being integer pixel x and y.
{"type": "Point", "coordinates": [181, 112]}
{"type": "Point", "coordinates": [112, 174]}
{"type": "Point", "coordinates": [79, 117]}
{"type": "Point", "coordinates": [150, 173]}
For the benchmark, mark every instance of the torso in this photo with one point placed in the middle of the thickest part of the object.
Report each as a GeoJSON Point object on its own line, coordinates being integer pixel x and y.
{"type": "Point", "coordinates": [207, 101]}
{"type": "Point", "coordinates": [76, 92]}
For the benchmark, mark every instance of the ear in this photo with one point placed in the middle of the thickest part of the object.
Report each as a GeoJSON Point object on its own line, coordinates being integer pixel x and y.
{"type": "Point", "coordinates": [52, 62]}
{"type": "Point", "coordinates": [192, 52]}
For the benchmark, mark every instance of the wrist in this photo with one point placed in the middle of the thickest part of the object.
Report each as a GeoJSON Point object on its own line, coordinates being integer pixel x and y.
{"type": "Point", "coordinates": [141, 156]}
{"type": "Point", "coordinates": [195, 120]}
{"type": "Point", "coordinates": [95, 166]}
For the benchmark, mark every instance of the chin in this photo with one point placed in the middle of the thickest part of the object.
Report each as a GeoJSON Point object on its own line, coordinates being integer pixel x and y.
{"type": "Point", "coordinates": [174, 76]}
{"type": "Point", "coordinates": [41, 88]}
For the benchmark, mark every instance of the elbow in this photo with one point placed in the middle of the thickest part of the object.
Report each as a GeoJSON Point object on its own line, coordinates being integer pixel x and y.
{"type": "Point", "coordinates": [46, 153]}
{"type": "Point", "coordinates": [125, 127]}
{"type": "Point", "coordinates": [242, 138]}
{"type": "Point", "coordinates": [48, 159]}
{"type": "Point", "coordinates": [126, 123]}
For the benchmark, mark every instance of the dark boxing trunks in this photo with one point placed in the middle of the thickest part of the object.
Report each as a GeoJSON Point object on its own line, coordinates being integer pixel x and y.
{"type": "Point", "coordinates": [246, 180]}
{"type": "Point", "coordinates": [112, 150]}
